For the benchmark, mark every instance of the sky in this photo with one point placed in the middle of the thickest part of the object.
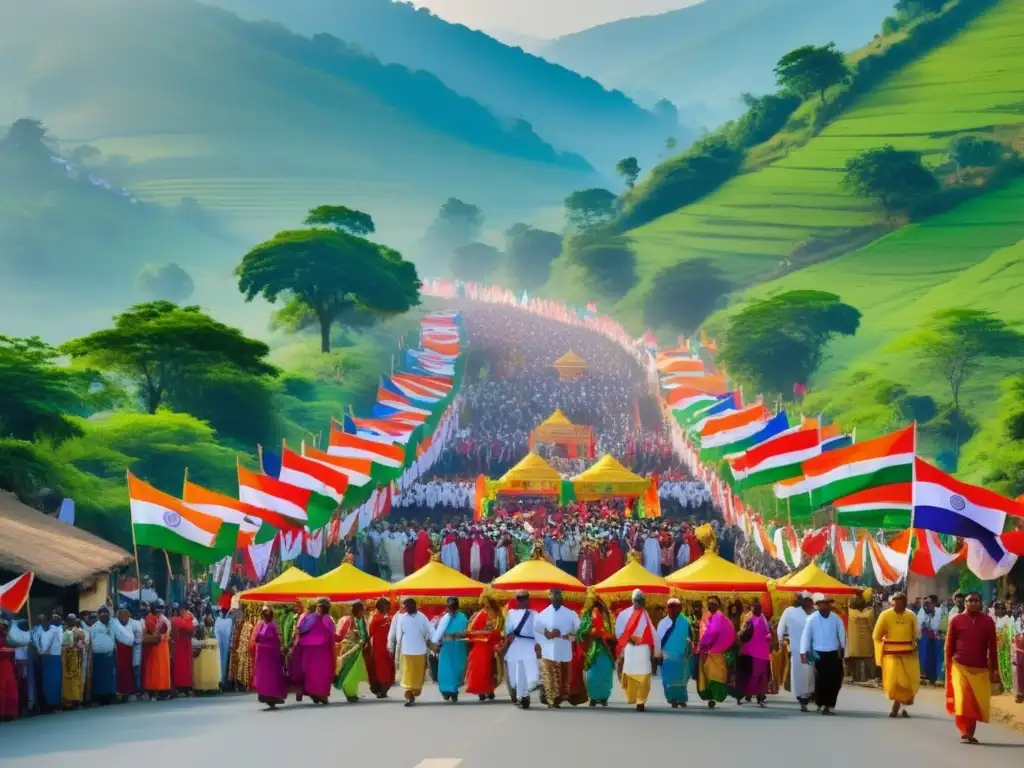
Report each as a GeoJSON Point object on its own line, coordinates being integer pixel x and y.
{"type": "Point", "coordinates": [544, 18]}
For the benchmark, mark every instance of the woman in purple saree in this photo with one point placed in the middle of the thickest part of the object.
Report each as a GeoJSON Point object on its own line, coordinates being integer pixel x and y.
{"type": "Point", "coordinates": [753, 666]}
{"type": "Point", "coordinates": [313, 658]}
{"type": "Point", "coordinates": [268, 661]}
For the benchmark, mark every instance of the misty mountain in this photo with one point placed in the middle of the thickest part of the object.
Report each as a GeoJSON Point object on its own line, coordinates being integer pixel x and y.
{"type": "Point", "coordinates": [573, 112]}
{"type": "Point", "coordinates": [704, 56]}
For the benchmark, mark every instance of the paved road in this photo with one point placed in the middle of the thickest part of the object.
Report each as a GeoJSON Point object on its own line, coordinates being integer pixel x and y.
{"type": "Point", "coordinates": [235, 730]}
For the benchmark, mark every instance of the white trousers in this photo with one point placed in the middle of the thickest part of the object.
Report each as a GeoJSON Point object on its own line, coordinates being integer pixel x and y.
{"type": "Point", "coordinates": [523, 675]}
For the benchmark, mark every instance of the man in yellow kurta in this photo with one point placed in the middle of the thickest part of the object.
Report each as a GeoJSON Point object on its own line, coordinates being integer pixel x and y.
{"type": "Point", "coordinates": [895, 639]}
{"type": "Point", "coordinates": [861, 651]}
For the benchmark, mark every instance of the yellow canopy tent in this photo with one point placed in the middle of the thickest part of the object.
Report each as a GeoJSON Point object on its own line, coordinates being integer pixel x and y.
{"type": "Point", "coordinates": [434, 583]}
{"type": "Point", "coordinates": [538, 576]}
{"type": "Point", "coordinates": [277, 590]}
{"type": "Point", "coordinates": [618, 588]}
{"type": "Point", "coordinates": [575, 439]}
{"type": "Point", "coordinates": [346, 583]}
{"type": "Point", "coordinates": [531, 477]}
{"type": "Point", "coordinates": [570, 366]}
{"type": "Point", "coordinates": [712, 575]}
{"type": "Point", "coordinates": [812, 579]}
{"type": "Point", "coordinates": [608, 478]}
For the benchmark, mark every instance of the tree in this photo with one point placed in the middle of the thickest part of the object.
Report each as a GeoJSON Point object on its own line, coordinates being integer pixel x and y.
{"type": "Point", "coordinates": [896, 178]}
{"type": "Point", "coordinates": [38, 397]}
{"type": "Point", "coordinates": [811, 69]}
{"type": "Point", "coordinates": [589, 207]}
{"type": "Point", "coordinates": [778, 342]}
{"type": "Point", "coordinates": [159, 346]}
{"type": "Point", "coordinates": [529, 253]}
{"type": "Point", "coordinates": [608, 261]}
{"type": "Point", "coordinates": [342, 219]}
{"type": "Point", "coordinates": [667, 112]}
{"type": "Point", "coordinates": [29, 140]}
{"type": "Point", "coordinates": [629, 169]}
{"type": "Point", "coordinates": [475, 262]}
{"type": "Point", "coordinates": [164, 281]}
{"type": "Point", "coordinates": [331, 272]}
{"type": "Point", "coordinates": [684, 294]}
{"type": "Point", "coordinates": [974, 152]}
{"type": "Point", "coordinates": [955, 342]}
{"type": "Point", "coordinates": [457, 223]}
{"type": "Point", "coordinates": [912, 9]}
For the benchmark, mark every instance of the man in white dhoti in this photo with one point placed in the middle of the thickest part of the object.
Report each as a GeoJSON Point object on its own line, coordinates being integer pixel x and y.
{"type": "Point", "coordinates": [790, 631]}
{"type": "Point", "coordinates": [637, 645]}
{"type": "Point", "coordinates": [521, 650]}
{"type": "Point", "coordinates": [557, 625]}
{"type": "Point", "coordinates": [409, 639]}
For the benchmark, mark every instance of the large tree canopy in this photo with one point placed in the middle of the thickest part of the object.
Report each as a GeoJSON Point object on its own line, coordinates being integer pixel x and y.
{"type": "Point", "coordinates": [685, 293]}
{"type": "Point", "coordinates": [160, 347]}
{"type": "Point", "coordinates": [339, 217]}
{"type": "Point", "coordinates": [529, 253]}
{"type": "Point", "coordinates": [811, 69]}
{"type": "Point", "coordinates": [776, 343]}
{"type": "Point", "coordinates": [331, 272]}
{"type": "Point", "coordinates": [475, 262]}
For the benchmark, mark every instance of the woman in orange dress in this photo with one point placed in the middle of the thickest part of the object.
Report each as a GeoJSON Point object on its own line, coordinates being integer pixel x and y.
{"type": "Point", "coordinates": [380, 666]}
{"type": "Point", "coordinates": [156, 661]}
{"type": "Point", "coordinates": [485, 670]}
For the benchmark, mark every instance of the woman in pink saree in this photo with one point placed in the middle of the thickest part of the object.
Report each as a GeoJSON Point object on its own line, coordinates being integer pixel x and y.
{"type": "Point", "coordinates": [717, 655]}
{"type": "Point", "coordinates": [753, 666]}
{"type": "Point", "coordinates": [268, 678]}
{"type": "Point", "coordinates": [313, 658]}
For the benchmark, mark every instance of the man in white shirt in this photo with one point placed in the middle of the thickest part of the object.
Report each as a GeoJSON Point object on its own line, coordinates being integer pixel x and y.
{"type": "Point", "coordinates": [929, 622]}
{"type": "Point", "coordinates": [521, 650]}
{"type": "Point", "coordinates": [20, 639]}
{"type": "Point", "coordinates": [223, 626]}
{"type": "Point", "coordinates": [103, 638]}
{"type": "Point", "coordinates": [49, 643]}
{"type": "Point", "coordinates": [791, 632]}
{"type": "Point", "coordinates": [557, 625]}
{"type": "Point", "coordinates": [637, 645]}
{"type": "Point", "coordinates": [409, 642]}
{"type": "Point", "coordinates": [823, 644]}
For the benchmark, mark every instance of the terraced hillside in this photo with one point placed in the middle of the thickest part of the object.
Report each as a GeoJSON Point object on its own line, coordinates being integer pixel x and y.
{"type": "Point", "coordinates": [974, 83]}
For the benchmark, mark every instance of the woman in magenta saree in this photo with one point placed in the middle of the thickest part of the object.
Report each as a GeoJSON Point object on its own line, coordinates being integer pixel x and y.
{"type": "Point", "coordinates": [268, 678]}
{"type": "Point", "coordinates": [753, 666]}
{"type": "Point", "coordinates": [313, 659]}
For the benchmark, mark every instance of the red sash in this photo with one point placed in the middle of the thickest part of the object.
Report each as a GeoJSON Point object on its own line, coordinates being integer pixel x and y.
{"type": "Point", "coordinates": [646, 639]}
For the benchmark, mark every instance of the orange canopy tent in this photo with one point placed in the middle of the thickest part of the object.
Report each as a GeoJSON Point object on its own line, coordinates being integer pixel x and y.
{"type": "Point", "coordinates": [434, 583]}
{"type": "Point", "coordinates": [538, 576]}
{"type": "Point", "coordinates": [617, 589]}
{"type": "Point", "coordinates": [276, 591]}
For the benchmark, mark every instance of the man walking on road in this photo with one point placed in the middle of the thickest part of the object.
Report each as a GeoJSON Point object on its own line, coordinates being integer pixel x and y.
{"type": "Point", "coordinates": [823, 644]}
{"type": "Point", "coordinates": [972, 665]}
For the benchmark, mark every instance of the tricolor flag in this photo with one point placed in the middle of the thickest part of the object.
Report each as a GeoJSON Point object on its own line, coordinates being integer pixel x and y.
{"type": "Point", "coordinates": [282, 504]}
{"type": "Point", "coordinates": [884, 506]}
{"type": "Point", "coordinates": [889, 565]}
{"type": "Point", "coordinates": [929, 555]}
{"type": "Point", "coordinates": [787, 548]}
{"type": "Point", "coordinates": [391, 413]}
{"type": "Point", "coordinates": [159, 520]}
{"type": "Point", "coordinates": [738, 438]}
{"type": "Point", "coordinates": [725, 403]}
{"type": "Point", "coordinates": [356, 470]}
{"type": "Point", "coordinates": [684, 409]}
{"type": "Point", "coordinates": [379, 429]}
{"type": "Point", "coordinates": [226, 508]}
{"type": "Point", "coordinates": [778, 458]}
{"type": "Point", "coordinates": [356, 447]}
{"type": "Point", "coordinates": [946, 505]}
{"type": "Point", "coordinates": [882, 461]}
{"type": "Point", "coordinates": [14, 594]}
{"type": "Point", "coordinates": [305, 473]}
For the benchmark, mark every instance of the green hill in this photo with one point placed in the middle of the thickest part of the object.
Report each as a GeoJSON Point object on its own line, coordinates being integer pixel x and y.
{"type": "Point", "coordinates": [260, 124]}
{"type": "Point", "coordinates": [755, 221]}
{"type": "Point", "coordinates": [574, 112]}
{"type": "Point", "coordinates": [704, 56]}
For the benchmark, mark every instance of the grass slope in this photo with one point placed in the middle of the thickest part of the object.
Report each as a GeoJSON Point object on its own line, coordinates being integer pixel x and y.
{"type": "Point", "coordinates": [703, 56]}
{"type": "Point", "coordinates": [259, 124]}
{"type": "Point", "coordinates": [974, 83]}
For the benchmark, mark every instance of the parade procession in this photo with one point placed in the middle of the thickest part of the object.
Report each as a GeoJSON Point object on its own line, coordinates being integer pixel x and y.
{"type": "Point", "coordinates": [506, 529]}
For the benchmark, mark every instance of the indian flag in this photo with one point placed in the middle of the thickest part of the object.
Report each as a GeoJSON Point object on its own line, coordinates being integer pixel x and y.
{"type": "Point", "coordinates": [305, 473]}
{"type": "Point", "coordinates": [356, 470]}
{"type": "Point", "coordinates": [787, 547]}
{"type": "Point", "coordinates": [372, 429]}
{"type": "Point", "coordinates": [356, 447]}
{"type": "Point", "coordinates": [685, 409]}
{"type": "Point", "coordinates": [226, 508]}
{"type": "Point", "coordinates": [282, 504]}
{"type": "Point", "coordinates": [735, 432]}
{"type": "Point", "coordinates": [885, 506]}
{"type": "Point", "coordinates": [159, 520]}
{"type": "Point", "coordinates": [778, 458]}
{"type": "Point", "coordinates": [882, 461]}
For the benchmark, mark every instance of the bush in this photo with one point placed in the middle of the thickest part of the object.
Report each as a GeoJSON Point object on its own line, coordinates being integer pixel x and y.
{"type": "Point", "coordinates": [684, 294]}
{"type": "Point", "coordinates": [765, 116]}
{"type": "Point", "coordinates": [608, 261]}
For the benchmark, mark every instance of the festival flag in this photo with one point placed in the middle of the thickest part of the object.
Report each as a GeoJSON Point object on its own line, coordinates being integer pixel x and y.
{"type": "Point", "coordinates": [779, 458]}
{"type": "Point", "coordinates": [379, 429]}
{"type": "Point", "coordinates": [282, 504]}
{"type": "Point", "coordinates": [885, 506]}
{"type": "Point", "coordinates": [356, 447]}
{"type": "Point", "coordinates": [832, 438]}
{"type": "Point", "coordinates": [159, 520]}
{"type": "Point", "coordinates": [787, 548]}
{"type": "Point", "coordinates": [762, 540]}
{"type": "Point", "coordinates": [426, 389]}
{"type": "Point", "coordinates": [649, 504]}
{"type": "Point", "coordinates": [738, 439]}
{"type": "Point", "coordinates": [224, 507]}
{"type": "Point", "coordinates": [320, 478]}
{"type": "Point", "coordinates": [929, 556]}
{"type": "Point", "coordinates": [686, 366]}
{"type": "Point", "coordinates": [814, 542]}
{"type": "Point", "coordinates": [356, 470]}
{"type": "Point", "coordinates": [882, 461]}
{"type": "Point", "coordinates": [14, 594]}
{"type": "Point", "coordinates": [946, 505]}
{"type": "Point", "coordinates": [725, 403]}
{"type": "Point", "coordinates": [889, 565]}
{"type": "Point", "coordinates": [685, 408]}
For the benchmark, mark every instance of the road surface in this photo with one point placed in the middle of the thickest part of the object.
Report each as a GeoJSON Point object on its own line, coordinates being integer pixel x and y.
{"type": "Point", "coordinates": [236, 730]}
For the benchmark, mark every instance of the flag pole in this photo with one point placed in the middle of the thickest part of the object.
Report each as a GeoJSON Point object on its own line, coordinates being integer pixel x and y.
{"type": "Point", "coordinates": [186, 561]}
{"type": "Point", "coordinates": [135, 548]}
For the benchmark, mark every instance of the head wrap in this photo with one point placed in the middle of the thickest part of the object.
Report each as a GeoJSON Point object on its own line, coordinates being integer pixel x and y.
{"type": "Point", "coordinates": [638, 595]}
{"type": "Point", "coordinates": [820, 598]}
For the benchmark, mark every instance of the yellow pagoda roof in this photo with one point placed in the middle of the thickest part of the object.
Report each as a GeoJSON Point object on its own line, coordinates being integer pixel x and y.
{"type": "Point", "coordinates": [537, 575]}
{"type": "Point", "coordinates": [813, 579]}
{"type": "Point", "coordinates": [570, 359]}
{"type": "Point", "coordinates": [556, 419]}
{"type": "Point", "coordinates": [436, 579]}
{"type": "Point", "coordinates": [531, 468]}
{"type": "Point", "coordinates": [632, 575]}
{"type": "Point", "coordinates": [346, 582]}
{"type": "Point", "coordinates": [710, 573]}
{"type": "Point", "coordinates": [607, 469]}
{"type": "Point", "coordinates": [279, 586]}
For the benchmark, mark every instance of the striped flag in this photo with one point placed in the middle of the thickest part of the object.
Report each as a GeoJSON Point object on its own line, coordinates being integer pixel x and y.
{"type": "Point", "coordinates": [739, 439]}
{"type": "Point", "coordinates": [356, 470]}
{"type": "Point", "coordinates": [159, 520]}
{"type": "Point", "coordinates": [787, 548]}
{"type": "Point", "coordinates": [379, 429]}
{"type": "Point", "coordinates": [226, 508]}
{"type": "Point", "coordinates": [778, 458]}
{"type": "Point", "coordinates": [885, 506]}
{"type": "Point", "coordinates": [14, 594]}
{"type": "Point", "coordinates": [305, 473]}
{"type": "Point", "coordinates": [284, 505]}
{"type": "Point", "coordinates": [882, 461]}
{"type": "Point", "coordinates": [356, 447]}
